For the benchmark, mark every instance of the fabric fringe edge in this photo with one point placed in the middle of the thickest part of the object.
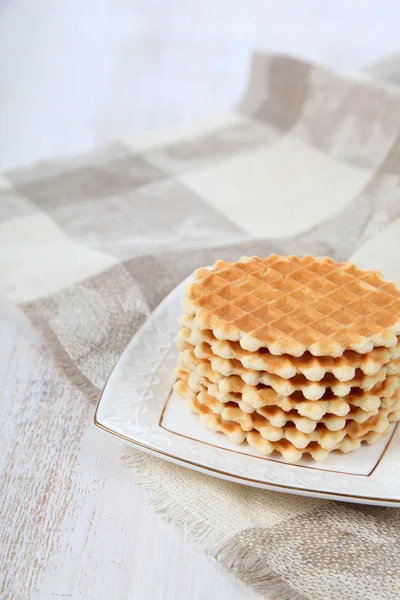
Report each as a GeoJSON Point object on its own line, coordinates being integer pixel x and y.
{"type": "Point", "coordinates": [242, 561]}
{"type": "Point", "coordinates": [163, 503]}
{"type": "Point", "coordinates": [237, 558]}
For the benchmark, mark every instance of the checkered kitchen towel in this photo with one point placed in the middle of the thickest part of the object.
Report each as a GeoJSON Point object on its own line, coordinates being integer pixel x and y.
{"type": "Point", "coordinates": [309, 163]}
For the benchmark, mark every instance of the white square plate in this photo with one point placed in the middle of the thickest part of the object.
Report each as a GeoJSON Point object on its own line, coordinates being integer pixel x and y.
{"type": "Point", "coordinates": [139, 406]}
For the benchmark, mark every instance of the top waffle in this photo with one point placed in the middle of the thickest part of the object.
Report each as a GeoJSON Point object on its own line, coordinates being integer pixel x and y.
{"type": "Point", "coordinates": [291, 305]}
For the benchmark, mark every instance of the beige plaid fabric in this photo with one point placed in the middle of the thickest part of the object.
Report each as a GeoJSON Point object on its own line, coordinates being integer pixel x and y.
{"type": "Point", "coordinates": [308, 163]}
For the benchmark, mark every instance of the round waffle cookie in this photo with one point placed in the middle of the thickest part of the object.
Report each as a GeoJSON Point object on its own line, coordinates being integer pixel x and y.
{"type": "Point", "coordinates": [292, 305]}
{"type": "Point", "coordinates": [291, 444]}
{"type": "Point", "coordinates": [275, 421]}
{"type": "Point", "coordinates": [313, 368]}
{"type": "Point", "coordinates": [332, 414]}
{"type": "Point", "coordinates": [242, 380]}
{"type": "Point", "coordinates": [297, 355]}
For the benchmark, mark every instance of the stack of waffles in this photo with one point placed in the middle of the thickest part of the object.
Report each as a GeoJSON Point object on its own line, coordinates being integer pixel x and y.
{"type": "Point", "coordinates": [291, 355]}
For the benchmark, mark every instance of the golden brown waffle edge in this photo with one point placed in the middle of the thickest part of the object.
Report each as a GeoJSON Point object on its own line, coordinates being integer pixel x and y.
{"type": "Point", "coordinates": [291, 305]}
{"type": "Point", "coordinates": [294, 355]}
{"type": "Point", "coordinates": [318, 450]}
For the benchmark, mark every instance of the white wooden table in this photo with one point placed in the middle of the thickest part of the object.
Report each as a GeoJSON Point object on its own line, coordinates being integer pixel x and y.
{"type": "Point", "coordinates": [74, 75]}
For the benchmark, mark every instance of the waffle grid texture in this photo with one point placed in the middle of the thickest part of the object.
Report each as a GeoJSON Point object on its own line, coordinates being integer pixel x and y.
{"type": "Point", "coordinates": [294, 355]}
{"type": "Point", "coordinates": [313, 368]}
{"type": "Point", "coordinates": [291, 305]}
